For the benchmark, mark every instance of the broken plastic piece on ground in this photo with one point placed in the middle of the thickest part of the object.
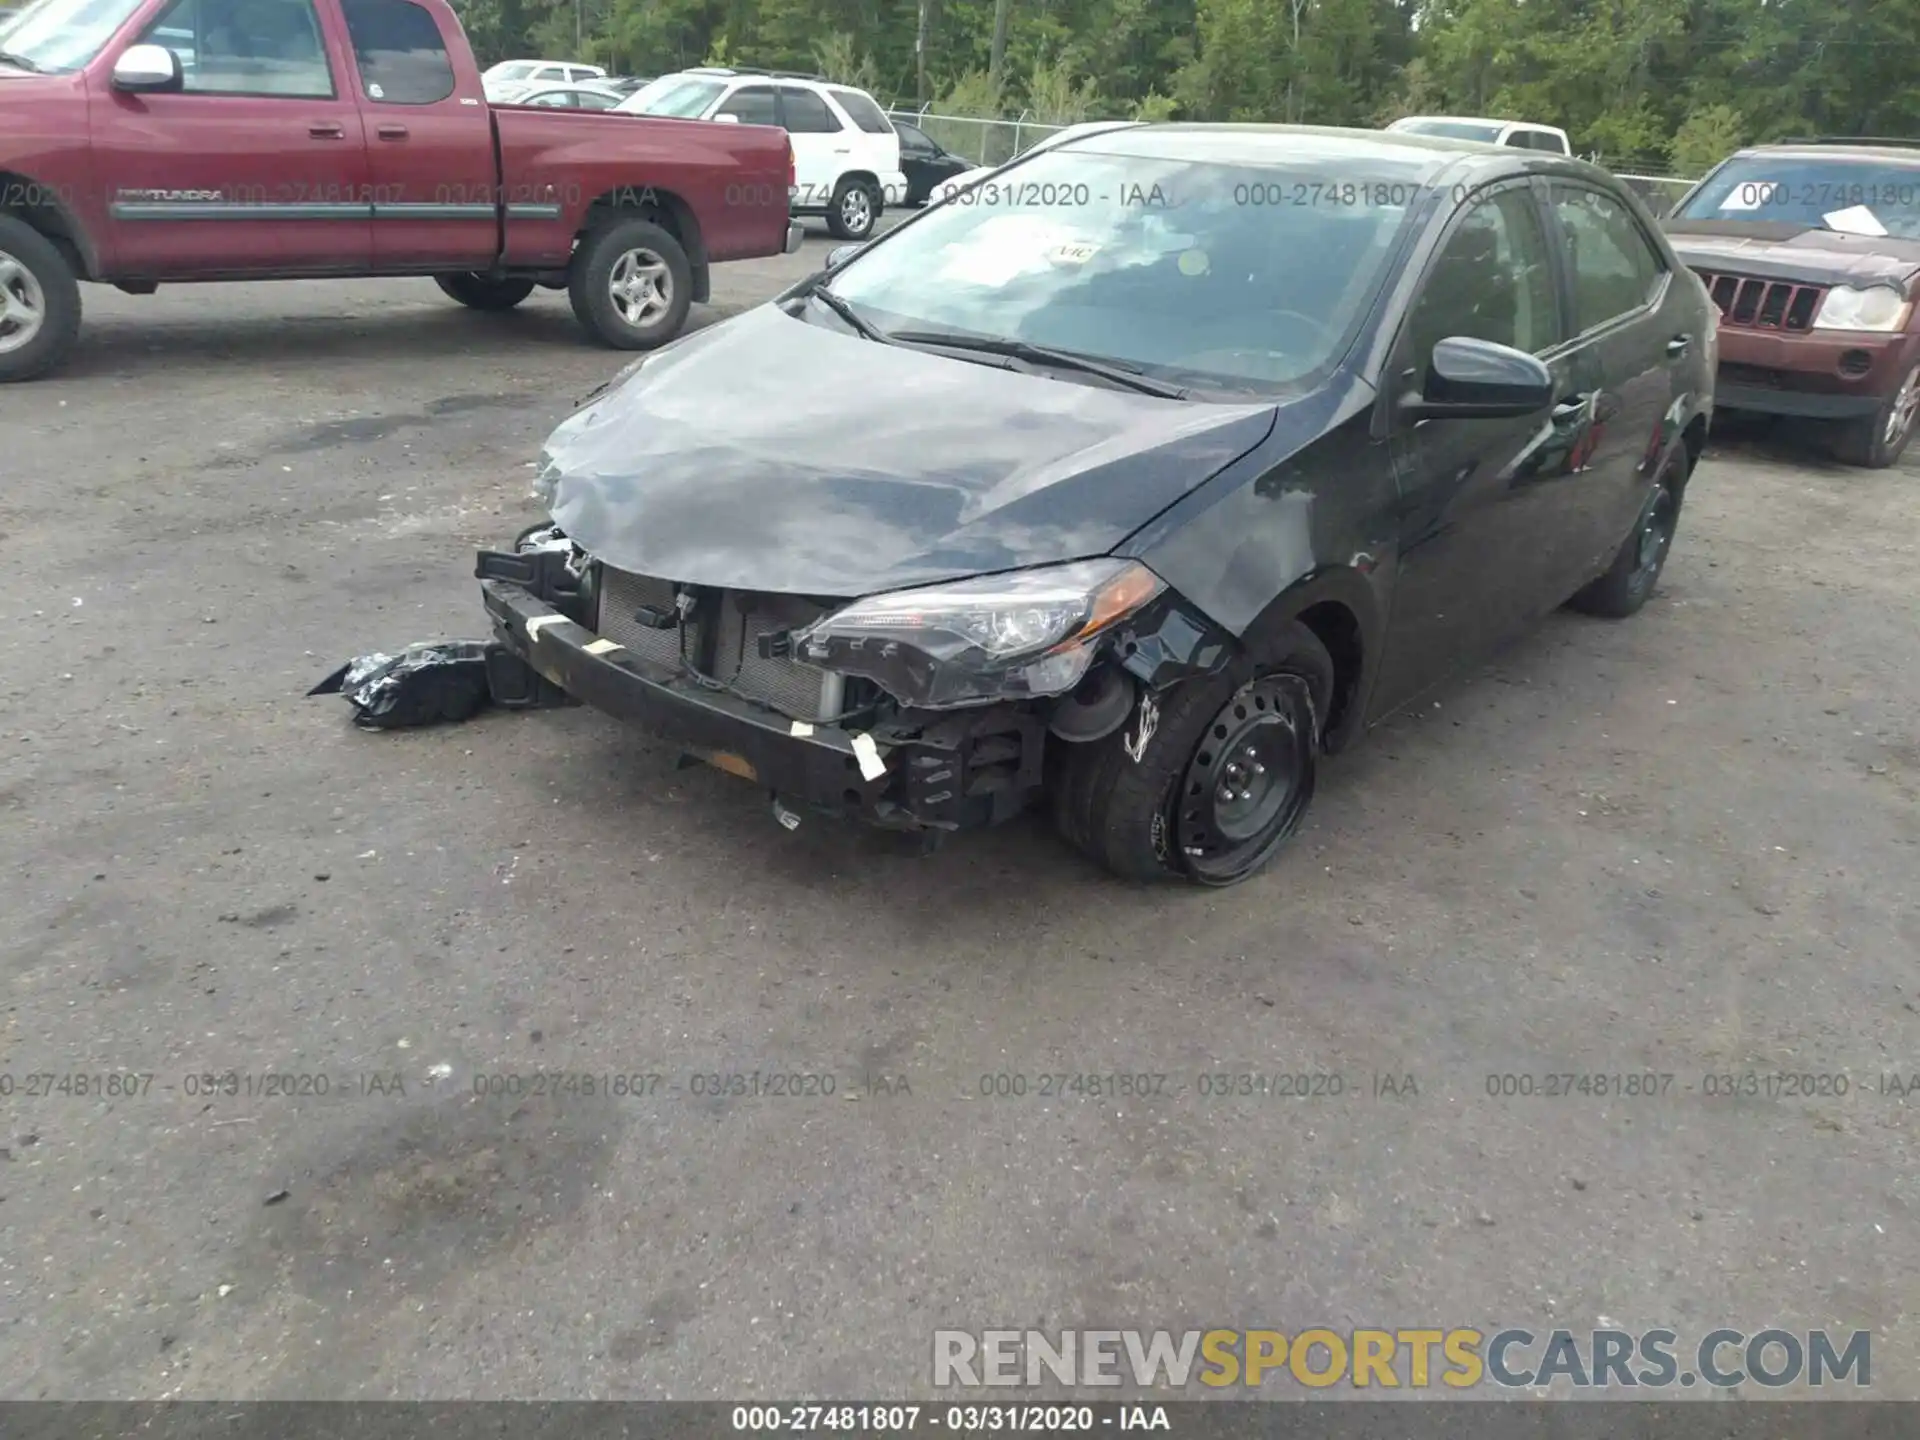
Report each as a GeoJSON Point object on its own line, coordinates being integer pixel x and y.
{"type": "Point", "coordinates": [422, 685]}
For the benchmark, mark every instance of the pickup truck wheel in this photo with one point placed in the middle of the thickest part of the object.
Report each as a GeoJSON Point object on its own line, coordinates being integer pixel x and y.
{"type": "Point", "coordinates": [1875, 441]}
{"type": "Point", "coordinates": [39, 302]}
{"type": "Point", "coordinates": [631, 285]}
{"type": "Point", "coordinates": [478, 292]}
{"type": "Point", "coordinates": [855, 210]}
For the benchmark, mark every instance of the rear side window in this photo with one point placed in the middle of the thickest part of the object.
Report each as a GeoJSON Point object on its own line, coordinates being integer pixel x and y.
{"type": "Point", "coordinates": [402, 59]}
{"type": "Point", "coordinates": [754, 105]}
{"type": "Point", "coordinates": [806, 112]}
{"type": "Point", "coordinates": [247, 47]}
{"type": "Point", "coordinates": [1616, 270]}
{"type": "Point", "coordinates": [863, 112]}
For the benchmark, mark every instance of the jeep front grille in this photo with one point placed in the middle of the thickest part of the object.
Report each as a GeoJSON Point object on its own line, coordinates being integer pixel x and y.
{"type": "Point", "coordinates": [720, 639]}
{"type": "Point", "coordinates": [1754, 304]}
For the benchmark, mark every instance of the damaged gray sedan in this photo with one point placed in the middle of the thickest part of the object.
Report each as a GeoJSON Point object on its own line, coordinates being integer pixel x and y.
{"type": "Point", "coordinates": [1135, 488]}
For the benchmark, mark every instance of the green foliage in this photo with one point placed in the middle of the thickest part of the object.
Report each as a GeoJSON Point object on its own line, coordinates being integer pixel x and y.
{"type": "Point", "coordinates": [1640, 82]}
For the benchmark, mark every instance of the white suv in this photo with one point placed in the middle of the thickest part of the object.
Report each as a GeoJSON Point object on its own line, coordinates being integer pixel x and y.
{"type": "Point", "coordinates": [1515, 134]}
{"type": "Point", "coordinates": [846, 156]}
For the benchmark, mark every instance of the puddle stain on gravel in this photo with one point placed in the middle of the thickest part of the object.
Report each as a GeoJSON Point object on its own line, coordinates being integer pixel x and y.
{"type": "Point", "coordinates": [442, 1190]}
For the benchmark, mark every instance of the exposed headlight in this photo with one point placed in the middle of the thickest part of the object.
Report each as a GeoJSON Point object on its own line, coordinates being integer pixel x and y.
{"type": "Point", "coordinates": [1001, 637]}
{"type": "Point", "coordinates": [1878, 307]}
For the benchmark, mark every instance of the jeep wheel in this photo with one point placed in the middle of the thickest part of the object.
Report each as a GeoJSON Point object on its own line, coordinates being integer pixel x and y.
{"type": "Point", "coordinates": [39, 302]}
{"type": "Point", "coordinates": [479, 292]}
{"type": "Point", "coordinates": [1875, 441]}
{"type": "Point", "coordinates": [631, 285]}
{"type": "Point", "coordinates": [1206, 781]}
{"type": "Point", "coordinates": [855, 210]}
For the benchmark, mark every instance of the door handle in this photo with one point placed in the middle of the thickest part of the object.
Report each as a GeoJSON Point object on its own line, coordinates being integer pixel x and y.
{"type": "Point", "coordinates": [1678, 346]}
{"type": "Point", "coordinates": [327, 130]}
{"type": "Point", "coordinates": [392, 132]}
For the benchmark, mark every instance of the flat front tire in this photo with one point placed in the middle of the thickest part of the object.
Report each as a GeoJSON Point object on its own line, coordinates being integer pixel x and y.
{"type": "Point", "coordinates": [631, 284]}
{"type": "Point", "coordinates": [479, 292]}
{"type": "Point", "coordinates": [1208, 780]}
{"type": "Point", "coordinates": [39, 302]}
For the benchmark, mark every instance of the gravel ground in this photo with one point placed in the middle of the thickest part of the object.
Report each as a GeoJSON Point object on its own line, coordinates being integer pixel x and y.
{"type": "Point", "coordinates": [1684, 844]}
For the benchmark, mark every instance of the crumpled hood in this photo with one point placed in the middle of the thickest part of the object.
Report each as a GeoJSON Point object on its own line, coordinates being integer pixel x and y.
{"type": "Point", "coordinates": [768, 453]}
{"type": "Point", "coordinates": [1774, 250]}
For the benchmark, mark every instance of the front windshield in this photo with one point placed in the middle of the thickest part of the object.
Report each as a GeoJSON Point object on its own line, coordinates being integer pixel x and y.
{"type": "Point", "coordinates": [1451, 130]}
{"type": "Point", "coordinates": [1248, 274]}
{"type": "Point", "coordinates": [62, 35]}
{"type": "Point", "coordinates": [674, 95]}
{"type": "Point", "coordinates": [1812, 190]}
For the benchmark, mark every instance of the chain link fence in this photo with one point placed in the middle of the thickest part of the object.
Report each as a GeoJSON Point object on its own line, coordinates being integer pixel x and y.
{"type": "Point", "coordinates": [994, 142]}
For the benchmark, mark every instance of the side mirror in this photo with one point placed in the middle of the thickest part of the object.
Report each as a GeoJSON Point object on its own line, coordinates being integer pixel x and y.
{"type": "Point", "coordinates": [148, 69]}
{"type": "Point", "coordinates": [840, 254]}
{"type": "Point", "coordinates": [1479, 380]}
{"type": "Point", "coordinates": [728, 119]}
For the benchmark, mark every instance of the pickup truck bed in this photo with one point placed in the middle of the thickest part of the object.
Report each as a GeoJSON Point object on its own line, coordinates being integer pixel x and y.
{"type": "Point", "coordinates": [365, 147]}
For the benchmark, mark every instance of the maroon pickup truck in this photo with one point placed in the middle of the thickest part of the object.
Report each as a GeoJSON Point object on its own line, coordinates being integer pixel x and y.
{"type": "Point", "coordinates": [145, 142]}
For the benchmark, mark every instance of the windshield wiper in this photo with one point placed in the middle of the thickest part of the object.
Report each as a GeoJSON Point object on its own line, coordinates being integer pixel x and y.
{"type": "Point", "coordinates": [865, 329]}
{"type": "Point", "coordinates": [1115, 371]}
{"type": "Point", "coordinates": [21, 62]}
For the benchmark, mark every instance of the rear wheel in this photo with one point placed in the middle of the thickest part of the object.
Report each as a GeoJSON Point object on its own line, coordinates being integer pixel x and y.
{"type": "Point", "coordinates": [1207, 781]}
{"type": "Point", "coordinates": [480, 292]}
{"type": "Point", "coordinates": [631, 284]}
{"type": "Point", "coordinates": [1637, 564]}
{"type": "Point", "coordinates": [1875, 441]}
{"type": "Point", "coordinates": [39, 302]}
{"type": "Point", "coordinates": [855, 210]}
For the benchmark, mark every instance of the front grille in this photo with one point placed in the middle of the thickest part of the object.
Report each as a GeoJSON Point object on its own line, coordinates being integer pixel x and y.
{"type": "Point", "coordinates": [720, 638]}
{"type": "Point", "coordinates": [1750, 303]}
{"type": "Point", "coordinates": [1761, 375]}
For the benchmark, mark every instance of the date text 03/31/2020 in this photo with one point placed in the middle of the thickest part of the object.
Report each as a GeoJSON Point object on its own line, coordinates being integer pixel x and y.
{"type": "Point", "coordinates": [887, 1419]}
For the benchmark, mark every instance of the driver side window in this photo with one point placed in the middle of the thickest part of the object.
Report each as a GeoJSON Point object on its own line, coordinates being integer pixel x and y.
{"type": "Point", "coordinates": [1492, 280]}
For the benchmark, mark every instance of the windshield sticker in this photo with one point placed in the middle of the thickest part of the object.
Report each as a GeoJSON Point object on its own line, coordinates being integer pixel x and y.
{"type": "Point", "coordinates": [1075, 252]}
{"type": "Point", "coordinates": [1193, 262]}
{"type": "Point", "coordinates": [1753, 195]}
{"type": "Point", "coordinates": [1855, 220]}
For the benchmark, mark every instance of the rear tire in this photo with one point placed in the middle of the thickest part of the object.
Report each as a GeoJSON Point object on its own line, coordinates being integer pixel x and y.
{"type": "Point", "coordinates": [39, 302]}
{"type": "Point", "coordinates": [855, 210]}
{"type": "Point", "coordinates": [1630, 580]}
{"type": "Point", "coordinates": [478, 292]}
{"type": "Point", "coordinates": [1876, 441]}
{"type": "Point", "coordinates": [1224, 771]}
{"type": "Point", "coordinates": [631, 284]}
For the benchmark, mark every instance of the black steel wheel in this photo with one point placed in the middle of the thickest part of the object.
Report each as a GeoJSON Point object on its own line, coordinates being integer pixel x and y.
{"type": "Point", "coordinates": [1249, 782]}
{"type": "Point", "coordinates": [1208, 779]}
{"type": "Point", "coordinates": [1636, 567]}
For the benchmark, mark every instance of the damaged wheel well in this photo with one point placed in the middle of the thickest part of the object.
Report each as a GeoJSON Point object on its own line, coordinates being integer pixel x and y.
{"type": "Point", "coordinates": [1338, 628]}
{"type": "Point", "coordinates": [663, 208]}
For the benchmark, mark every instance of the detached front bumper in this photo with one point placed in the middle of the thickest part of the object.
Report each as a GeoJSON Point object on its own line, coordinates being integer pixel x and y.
{"type": "Point", "coordinates": [925, 779]}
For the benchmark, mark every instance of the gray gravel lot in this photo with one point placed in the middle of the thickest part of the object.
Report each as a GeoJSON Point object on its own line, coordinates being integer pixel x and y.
{"type": "Point", "coordinates": [1686, 843]}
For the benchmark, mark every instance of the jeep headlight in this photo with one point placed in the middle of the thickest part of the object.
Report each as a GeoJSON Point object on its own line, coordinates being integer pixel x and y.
{"type": "Point", "coordinates": [1877, 307]}
{"type": "Point", "coordinates": [1025, 634]}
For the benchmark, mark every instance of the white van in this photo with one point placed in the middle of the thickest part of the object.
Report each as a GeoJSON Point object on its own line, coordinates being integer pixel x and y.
{"type": "Point", "coordinates": [1520, 134]}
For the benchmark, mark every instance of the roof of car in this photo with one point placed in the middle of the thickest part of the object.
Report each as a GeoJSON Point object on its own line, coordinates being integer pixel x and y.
{"type": "Point", "coordinates": [1901, 152]}
{"type": "Point", "coordinates": [1422, 156]}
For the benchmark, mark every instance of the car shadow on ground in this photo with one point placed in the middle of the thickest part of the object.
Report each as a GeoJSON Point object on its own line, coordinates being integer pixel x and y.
{"type": "Point", "coordinates": [129, 344]}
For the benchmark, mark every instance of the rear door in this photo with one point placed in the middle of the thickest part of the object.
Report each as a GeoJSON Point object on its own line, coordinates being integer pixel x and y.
{"type": "Point", "coordinates": [877, 145]}
{"type": "Point", "coordinates": [257, 166]}
{"type": "Point", "coordinates": [823, 148]}
{"type": "Point", "coordinates": [1618, 287]}
{"type": "Point", "coordinates": [1477, 505]}
{"type": "Point", "coordinates": [430, 146]}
